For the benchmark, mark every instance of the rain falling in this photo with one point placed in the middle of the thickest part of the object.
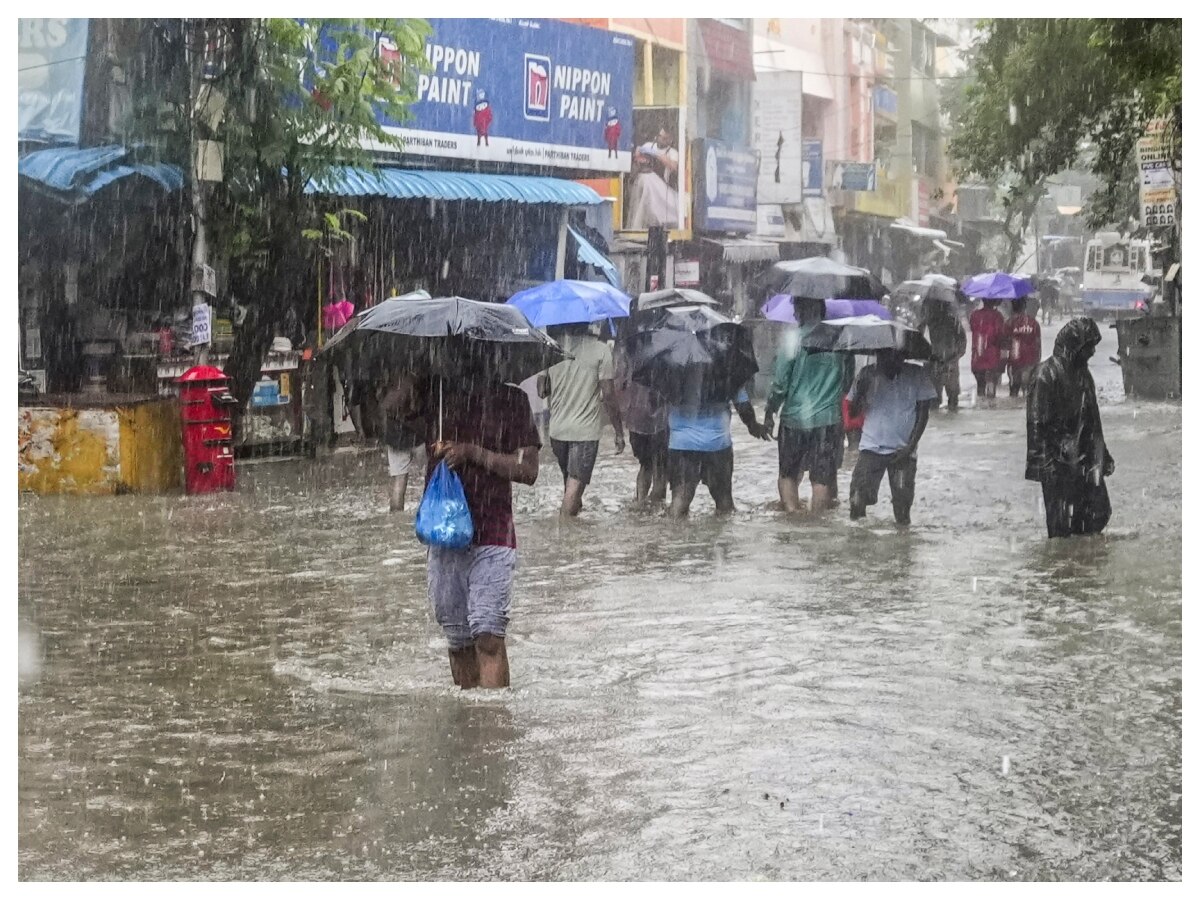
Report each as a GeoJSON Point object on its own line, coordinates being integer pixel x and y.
{"type": "Point", "coordinates": [599, 450]}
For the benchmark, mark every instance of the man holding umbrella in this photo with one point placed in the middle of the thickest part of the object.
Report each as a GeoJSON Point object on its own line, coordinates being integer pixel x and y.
{"type": "Point", "coordinates": [578, 386]}
{"type": "Point", "coordinates": [484, 431]}
{"type": "Point", "coordinates": [808, 389]}
{"type": "Point", "coordinates": [895, 397]}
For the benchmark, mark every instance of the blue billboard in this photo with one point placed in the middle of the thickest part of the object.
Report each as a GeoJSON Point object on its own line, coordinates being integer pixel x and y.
{"type": "Point", "coordinates": [726, 195]}
{"type": "Point", "coordinates": [50, 59]}
{"type": "Point", "coordinates": [527, 91]}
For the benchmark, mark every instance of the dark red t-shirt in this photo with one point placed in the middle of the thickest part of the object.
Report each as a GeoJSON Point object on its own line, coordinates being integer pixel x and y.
{"type": "Point", "coordinates": [1025, 341]}
{"type": "Point", "coordinates": [497, 419]}
{"type": "Point", "coordinates": [987, 333]}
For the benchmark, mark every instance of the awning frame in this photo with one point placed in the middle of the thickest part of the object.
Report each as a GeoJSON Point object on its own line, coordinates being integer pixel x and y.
{"type": "Point", "coordinates": [429, 184]}
{"type": "Point", "coordinates": [744, 250]}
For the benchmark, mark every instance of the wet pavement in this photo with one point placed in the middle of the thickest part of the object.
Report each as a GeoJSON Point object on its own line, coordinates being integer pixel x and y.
{"type": "Point", "coordinates": [252, 686]}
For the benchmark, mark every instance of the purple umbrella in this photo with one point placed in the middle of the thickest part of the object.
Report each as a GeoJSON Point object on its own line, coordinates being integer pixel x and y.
{"type": "Point", "coordinates": [779, 309]}
{"type": "Point", "coordinates": [997, 286]}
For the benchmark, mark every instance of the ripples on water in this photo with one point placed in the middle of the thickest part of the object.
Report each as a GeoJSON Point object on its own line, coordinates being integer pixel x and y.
{"type": "Point", "coordinates": [251, 686]}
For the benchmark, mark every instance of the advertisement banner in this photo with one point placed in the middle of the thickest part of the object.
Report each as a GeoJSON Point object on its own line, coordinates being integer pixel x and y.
{"type": "Point", "coordinates": [50, 60]}
{"type": "Point", "coordinates": [536, 92]}
{"type": "Point", "coordinates": [726, 195]}
{"type": "Point", "coordinates": [651, 195]}
{"type": "Point", "coordinates": [1156, 180]}
{"type": "Point", "coordinates": [777, 137]}
{"type": "Point", "coordinates": [852, 176]}
{"type": "Point", "coordinates": [814, 168]}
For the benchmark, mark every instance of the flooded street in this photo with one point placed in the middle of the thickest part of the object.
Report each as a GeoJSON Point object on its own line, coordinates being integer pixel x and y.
{"type": "Point", "coordinates": [252, 686]}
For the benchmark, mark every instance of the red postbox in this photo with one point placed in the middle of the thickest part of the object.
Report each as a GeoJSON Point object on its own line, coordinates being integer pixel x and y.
{"type": "Point", "coordinates": [206, 411]}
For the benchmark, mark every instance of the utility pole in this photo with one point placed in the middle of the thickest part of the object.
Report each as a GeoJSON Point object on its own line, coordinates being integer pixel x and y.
{"type": "Point", "coordinates": [202, 277]}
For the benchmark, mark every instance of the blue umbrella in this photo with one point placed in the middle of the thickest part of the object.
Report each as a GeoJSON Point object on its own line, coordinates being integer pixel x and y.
{"type": "Point", "coordinates": [998, 286]}
{"type": "Point", "coordinates": [569, 302]}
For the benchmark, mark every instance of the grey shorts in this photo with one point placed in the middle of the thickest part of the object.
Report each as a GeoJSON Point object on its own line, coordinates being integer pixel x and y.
{"type": "Point", "coordinates": [471, 591]}
{"type": "Point", "coordinates": [576, 459]}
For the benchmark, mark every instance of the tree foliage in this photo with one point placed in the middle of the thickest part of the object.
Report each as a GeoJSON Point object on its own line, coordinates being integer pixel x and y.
{"type": "Point", "coordinates": [286, 101]}
{"type": "Point", "coordinates": [1047, 94]}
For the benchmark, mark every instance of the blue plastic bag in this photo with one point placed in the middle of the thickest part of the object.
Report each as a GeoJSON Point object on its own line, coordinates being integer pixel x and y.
{"type": "Point", "coordinates": [443, 518]}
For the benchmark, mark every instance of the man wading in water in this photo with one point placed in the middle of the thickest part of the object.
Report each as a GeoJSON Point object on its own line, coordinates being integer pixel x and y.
{"type": "Point", "coordinates": [489, 438]}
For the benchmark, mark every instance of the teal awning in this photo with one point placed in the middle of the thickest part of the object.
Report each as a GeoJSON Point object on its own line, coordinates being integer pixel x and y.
{"type": "Point", "coordinates": [73, 174]}
{"type": "Point", "coordinates": [589, 255]}
{"type": "Point", "coordinates": [414, 184]}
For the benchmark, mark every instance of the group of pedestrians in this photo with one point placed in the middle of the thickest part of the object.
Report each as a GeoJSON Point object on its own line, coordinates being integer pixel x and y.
{"type": "Point", "coordinates": [999, 344]}
{"type": "Point", "coordinates": [488, 435]}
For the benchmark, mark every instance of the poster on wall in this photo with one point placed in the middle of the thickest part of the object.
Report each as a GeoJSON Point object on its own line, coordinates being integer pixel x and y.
{"type": "Point", "coordinates": [50, 61]}
{"type": "Point", "coordinates": [851, 176]}
{"type": "Point", "coordinates": [814, 168]}
{"type": "Point", "coordinates": [726, 187]}
{"type": "Point", "coordinates": [778, 137]}
{"type": "Point", "coordinates": [651, 197]}
{"type": "Point", "coordinates": [537, 92]}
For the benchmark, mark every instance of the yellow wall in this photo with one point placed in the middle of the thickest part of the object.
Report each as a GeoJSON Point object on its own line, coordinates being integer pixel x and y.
{"type": "Point", "coordinates": [99, 451]}
{"type": "Point", "coordinates": [151, 447]}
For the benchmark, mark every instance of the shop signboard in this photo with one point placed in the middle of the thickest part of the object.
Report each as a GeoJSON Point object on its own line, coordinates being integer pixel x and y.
{"type": "Point", "coordinates": [535, 92]}
{"type": "Point", "coordinates": [726, 197]}
{"type": "Point", "coordinates": [778, 137]}
{"type": "Point", "coordinates": [687, 272]}
{"type": "Point", "coordinates": [50, 62]}
{"type": "Point", "coordinates": [851, 176]}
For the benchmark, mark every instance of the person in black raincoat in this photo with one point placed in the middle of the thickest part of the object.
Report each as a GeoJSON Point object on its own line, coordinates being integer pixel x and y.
{"type": "Point", "coordinates": [1066, 450]}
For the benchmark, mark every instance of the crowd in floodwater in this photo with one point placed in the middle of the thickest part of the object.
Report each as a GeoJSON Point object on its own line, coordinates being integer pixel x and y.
{"type": "Point", "coordinates": [817, 407]}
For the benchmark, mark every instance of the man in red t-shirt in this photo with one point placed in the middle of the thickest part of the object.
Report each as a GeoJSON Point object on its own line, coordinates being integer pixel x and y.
{"type": "Point", "coordinates": [489, 438]}
{"type": "Point", "coordinates": [987, 347]}
{"type": "Point", "coordinates": [1023, 336]}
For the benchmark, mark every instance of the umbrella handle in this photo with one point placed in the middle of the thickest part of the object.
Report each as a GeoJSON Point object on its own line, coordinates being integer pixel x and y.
{"type": "Point", "coordinates": [441, 383]}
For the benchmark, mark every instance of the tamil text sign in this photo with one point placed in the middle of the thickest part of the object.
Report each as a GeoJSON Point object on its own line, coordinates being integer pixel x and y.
{"type": "Point", "coordinates": [1156, 180]}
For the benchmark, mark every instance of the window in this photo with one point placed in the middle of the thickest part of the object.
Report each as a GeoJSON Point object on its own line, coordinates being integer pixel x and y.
{"type": "Point", "coordinates": [924, 150]}
{"type": "Point", "coordinates": [924, 50]}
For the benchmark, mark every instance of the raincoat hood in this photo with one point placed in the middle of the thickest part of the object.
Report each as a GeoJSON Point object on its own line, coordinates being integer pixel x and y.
{"type": "Point", "coordinates": [1076, 336]}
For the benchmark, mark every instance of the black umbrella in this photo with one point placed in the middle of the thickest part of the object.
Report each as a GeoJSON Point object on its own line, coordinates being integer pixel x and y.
{"type": "Point", "coordinates": [447, 336]}
{"type": "Point", "coordinates": [690, 354]}
{"type": "Point", "coordinates": [822, 278]}
{"type": "Point", "coordinates": [866, 334]}
{"type": "Point", "coordinates": [673, 297]}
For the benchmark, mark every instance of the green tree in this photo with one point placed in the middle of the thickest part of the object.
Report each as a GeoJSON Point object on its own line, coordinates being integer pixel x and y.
{"type": "Point", "coordinates": [285, 101]}
{"type": "Point", "coordinates": [1047, 94]}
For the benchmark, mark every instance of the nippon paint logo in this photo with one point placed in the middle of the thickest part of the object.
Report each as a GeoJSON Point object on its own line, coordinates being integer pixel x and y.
{"type": "Point", "coordinates": [537, 87]}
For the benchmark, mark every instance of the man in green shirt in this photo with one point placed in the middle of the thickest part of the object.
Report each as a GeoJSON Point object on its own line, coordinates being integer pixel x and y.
{"type": "Point", "coordinates": [807, 393]}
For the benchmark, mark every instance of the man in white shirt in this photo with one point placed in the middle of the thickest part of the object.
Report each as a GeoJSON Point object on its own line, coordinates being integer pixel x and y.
{"type": "Point", "coordinates": [896, 396]}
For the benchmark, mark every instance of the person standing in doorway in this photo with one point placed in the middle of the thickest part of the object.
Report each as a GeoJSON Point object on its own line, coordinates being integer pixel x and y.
{"type": "Point", "coordinates": [576, 387]}
{"type": "Point", "coordinates": [941, 322]}
{"type": "Point", "coordinates": [807, 392]}
{"type": "Point", "coordinates": [1066, 452]}
{"type": "Point", "coordinates": [1023, 335]}
{"type": "Point", "coordinates": [987, 348]}
{"type": "Point", "coordinates": [896, 396]}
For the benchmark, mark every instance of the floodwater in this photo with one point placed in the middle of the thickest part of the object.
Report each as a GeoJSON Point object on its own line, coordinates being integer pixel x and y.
{"type": "Point", "coordinates": [251, 686]}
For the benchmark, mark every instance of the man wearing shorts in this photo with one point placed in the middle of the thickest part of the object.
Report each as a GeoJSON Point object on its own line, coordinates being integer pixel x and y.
{"type": "Point", "coordinates": [896, 396]}
{"type": "Point", "coordinates": [575, 387]}
{"type": "Point", "coordinates": [807, 392]}
{"type": "Point", "coordinates": [489, 438]}
{"type": "Point", "coordinates": [701, 451]}
{"type": "Point", "coordinates": [401, 441]}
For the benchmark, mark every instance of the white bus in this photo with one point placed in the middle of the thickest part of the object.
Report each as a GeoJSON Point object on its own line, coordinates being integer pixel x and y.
{"type": "Point", "coordinates": [1113, 272]}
